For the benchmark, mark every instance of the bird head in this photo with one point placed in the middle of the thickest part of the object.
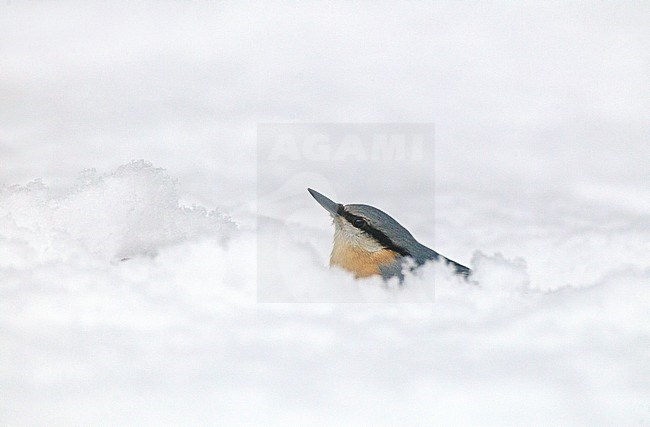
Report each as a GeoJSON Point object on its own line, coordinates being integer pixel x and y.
{"type": "Point", "coordinates": [366, 240]}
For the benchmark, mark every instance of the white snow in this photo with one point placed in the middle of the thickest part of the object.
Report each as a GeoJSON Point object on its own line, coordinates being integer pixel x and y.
{"type": "Point", "coordinates": [129, 289]}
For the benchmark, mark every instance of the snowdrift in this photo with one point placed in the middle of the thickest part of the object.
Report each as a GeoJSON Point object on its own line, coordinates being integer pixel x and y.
{"type": "Point", "coordinates": [175, 333]}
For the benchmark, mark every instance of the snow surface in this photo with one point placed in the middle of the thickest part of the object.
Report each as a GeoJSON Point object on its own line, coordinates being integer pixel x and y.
{"type": "Point", "coordinates": [128, 288]}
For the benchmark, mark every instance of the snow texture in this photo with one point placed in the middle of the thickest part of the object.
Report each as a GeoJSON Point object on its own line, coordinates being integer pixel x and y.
{"type": "Point", "coordinates": [128, 292]}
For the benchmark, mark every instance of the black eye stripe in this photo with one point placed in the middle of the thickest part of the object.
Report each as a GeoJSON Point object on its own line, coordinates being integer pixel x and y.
{"type": "Point", "coordinates": [379, 236]}
{"type": "Point", "coordinates": [353, 219]}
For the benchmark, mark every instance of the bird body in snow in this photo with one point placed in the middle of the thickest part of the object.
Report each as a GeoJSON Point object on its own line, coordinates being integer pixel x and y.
{"type": "Point", "coordinates": [368, 241]}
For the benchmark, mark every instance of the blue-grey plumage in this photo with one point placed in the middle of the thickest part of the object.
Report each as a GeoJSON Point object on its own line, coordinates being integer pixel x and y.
{"type": "Point", "coordinates": [368, 241]}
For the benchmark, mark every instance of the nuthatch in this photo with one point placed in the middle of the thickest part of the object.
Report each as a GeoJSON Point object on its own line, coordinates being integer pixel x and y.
{"type": "Point", "coordinates": [368, 241]}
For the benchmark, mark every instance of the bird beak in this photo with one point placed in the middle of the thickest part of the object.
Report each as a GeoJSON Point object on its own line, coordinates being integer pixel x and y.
{"type": "Point", "coordinates": [329, 205]}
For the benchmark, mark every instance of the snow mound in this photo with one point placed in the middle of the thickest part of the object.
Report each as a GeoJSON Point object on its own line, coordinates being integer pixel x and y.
{"type": "Point", "coordinates": [133, 211]}
{"type": "Point", "coordinates": [497, 272]}
{"type": "Point", "coordinates": [191, 325]}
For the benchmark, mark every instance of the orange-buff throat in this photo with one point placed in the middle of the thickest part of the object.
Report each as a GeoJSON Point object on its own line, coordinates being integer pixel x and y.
{"type": "Point", "coordinates": [359, 261]}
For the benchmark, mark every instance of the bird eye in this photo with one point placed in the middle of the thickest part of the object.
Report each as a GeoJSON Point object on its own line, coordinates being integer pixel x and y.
{"type": "Point", "coordinates": [358, 222]}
